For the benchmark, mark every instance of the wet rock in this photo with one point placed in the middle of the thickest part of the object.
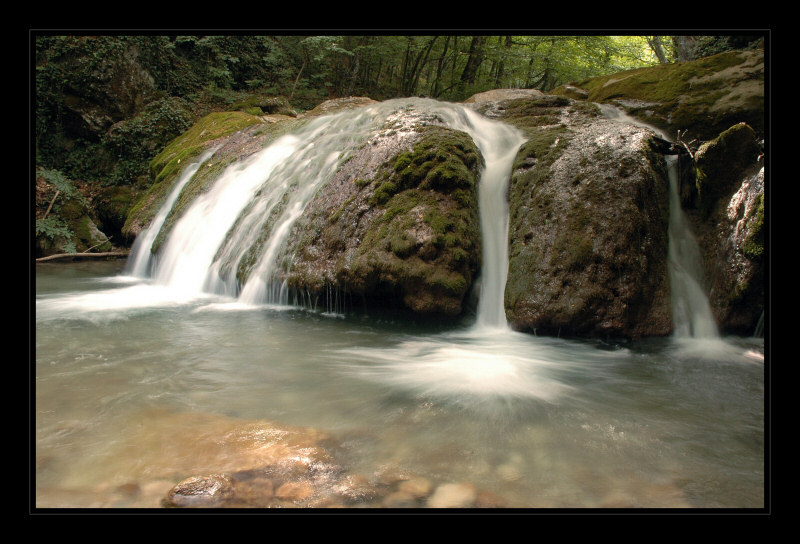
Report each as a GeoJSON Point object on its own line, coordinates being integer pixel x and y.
{"type": "Point", "coordinates": [256, 492]}
{"type": "Point", "coordinates": [294, 491]}
{"type": "Point", "coordinates": [201, 492]}
{"type": "Point", "coordinates": [588, 225]}
{"type": "Point", "coordinates": [461, 495]}
{"type": "Point", "coordinates": [722, 162]}
{"type": "Point", "coordinates": [390, 475]}
{"type": "Point", "coordinates": [397, 225]}
{"type": "Point", "coordinates": [336, 104]}
{"type": "Point", "coordinates": [399, 499]}
{"type": "Point", "coordinates": [729, 227]}
{"type": "Point", "coordinates": [356, 488]}
{"type": "Point", "coordinates": [417, 487]}
{"type": "Point", "coordinates": [487, 499]}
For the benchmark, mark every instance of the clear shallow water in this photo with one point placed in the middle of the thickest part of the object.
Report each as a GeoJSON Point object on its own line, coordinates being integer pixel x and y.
{"type": "Point", "coordinates": [540, 422]}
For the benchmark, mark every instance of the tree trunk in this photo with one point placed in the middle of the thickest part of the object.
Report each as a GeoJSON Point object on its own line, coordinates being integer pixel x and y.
{"type": "Point", "coordinates": [658, 48]}
{"type": "Point", "coordinates": [434, 88]}
{"type": "Point", "coordinates": [474, 60]}
{"type": "Point", "coordinates": [683, 47]}
{"type": "Point", "coordinates": [498, 81]}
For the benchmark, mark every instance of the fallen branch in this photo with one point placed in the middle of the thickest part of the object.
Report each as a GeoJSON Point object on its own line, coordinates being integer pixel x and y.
{"type": "Point", "coordinates": [100, 244]}
{"type": "Point", "coordinates": [81, 256]}
{"type": "Point", "coordinates": [680, 141]}
{"type": "Point", "coordinates": [51, 204]}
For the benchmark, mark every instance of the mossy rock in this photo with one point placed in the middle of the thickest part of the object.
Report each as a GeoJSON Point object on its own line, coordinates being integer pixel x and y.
{"type": "Point", "coordinates": [192, 142]}
{"type": "Point", "coordinates": [702, 97]}
{"type": "Point", "coordinates": [722, 162]}
{"type": "Point", "coordinates": [259, 104]}
{"type": "Point", "coordinates": [403, 234]}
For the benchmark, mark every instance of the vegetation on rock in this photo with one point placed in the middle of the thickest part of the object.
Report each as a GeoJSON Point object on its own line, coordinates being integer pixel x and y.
{"type": "Point", "coordinates": [702, 97]}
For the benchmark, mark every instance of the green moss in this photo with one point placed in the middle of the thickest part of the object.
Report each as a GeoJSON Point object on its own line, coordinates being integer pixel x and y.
{"type": "Point", "coordinates": [721, 163]}
{"type": "Point", "coordinates": [688, 95]}
{"type": "Point", "coordinates": [443, 160]}
{"type": "Point", "coordinates": [573, 246]}
{"type": "Point", "coordinates": [662, 83]}
{"type": "Point", "coordinates": [167, 164]}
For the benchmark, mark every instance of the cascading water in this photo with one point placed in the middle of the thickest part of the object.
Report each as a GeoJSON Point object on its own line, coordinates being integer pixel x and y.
{"type": "Point", "coordinates": [140, 261]}
{"type": "Point", "coordinates": [691, 312]}
{"type": "Point", "coordinates": [270, 191]}
{"type": "Point", "coordinates": [499, 144]}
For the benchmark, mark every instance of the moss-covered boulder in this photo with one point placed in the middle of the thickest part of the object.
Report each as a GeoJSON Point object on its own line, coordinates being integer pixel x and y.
{"type": "Point", "coordinates": [588, 206]}
{"type": "Point", "coordinates": [721, 163]}
{"type": "Point", "coordinates": [397, 225]}
{"type": "Point", "coordinates": [260, 104]}
{"type": "Point", "coordinates": [729, 225]}
{"type": "Point", "coordinates": [702, 97]}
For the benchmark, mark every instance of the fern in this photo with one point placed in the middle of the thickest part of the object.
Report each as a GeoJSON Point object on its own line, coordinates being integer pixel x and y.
{"type": "Point", "coordinates": [55, 228]}
{"type": "Point", "coordinates": [61, 183]}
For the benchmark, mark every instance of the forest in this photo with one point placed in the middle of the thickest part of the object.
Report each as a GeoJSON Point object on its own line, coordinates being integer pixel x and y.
{"type": "Point", "coordinates": [106, 105]}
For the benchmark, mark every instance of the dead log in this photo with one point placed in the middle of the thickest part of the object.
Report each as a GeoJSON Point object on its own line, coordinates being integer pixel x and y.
{"type": "Point", "coordinates": [82, 256]}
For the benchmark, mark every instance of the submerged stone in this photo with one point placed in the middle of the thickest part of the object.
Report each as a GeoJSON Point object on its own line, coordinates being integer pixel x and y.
{"type": "Point", "coordinates": [201, 491]}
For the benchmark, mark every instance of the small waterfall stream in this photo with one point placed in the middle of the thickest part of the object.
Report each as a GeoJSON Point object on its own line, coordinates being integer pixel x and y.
{"type": "Point", "coordinates": [691, 312]}
{"type": "Point", "coordinates": [141, 258]}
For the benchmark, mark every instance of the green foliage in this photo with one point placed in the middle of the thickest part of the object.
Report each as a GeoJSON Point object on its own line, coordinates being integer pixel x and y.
{"type": "Point", "coordinates": [56, 230]}
{"type": "Point", "coordinates": [58, 180]}
{"type": "Point", "coordinates": [136, 141]}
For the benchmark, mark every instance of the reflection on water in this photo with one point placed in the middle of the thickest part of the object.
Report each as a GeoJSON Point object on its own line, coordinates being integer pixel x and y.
{"type": "Point", "coordinates": [128, 378]}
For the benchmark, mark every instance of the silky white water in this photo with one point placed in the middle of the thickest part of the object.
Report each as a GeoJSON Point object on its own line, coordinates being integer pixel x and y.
{"type": "Point", "coordinates": [139, 263]}
{"type": "Point", "coordinates": [538, 422]}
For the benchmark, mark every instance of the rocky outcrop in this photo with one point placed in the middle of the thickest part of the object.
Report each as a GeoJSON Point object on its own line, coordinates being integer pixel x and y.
{"type": "Point", "coordinates": [702, 97]}
{"type": "Point", "coordinates": [117, 88]}
{"type": "Point", "coordinates": [588, 207]}
{"type": "Point", "coordinates": [730, 227]}
{"type": "Point", "coordinates": [397, 225]}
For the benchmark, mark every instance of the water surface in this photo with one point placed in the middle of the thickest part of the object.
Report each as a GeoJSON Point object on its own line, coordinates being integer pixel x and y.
{"type": "Point", "coordinates": [540, 422]}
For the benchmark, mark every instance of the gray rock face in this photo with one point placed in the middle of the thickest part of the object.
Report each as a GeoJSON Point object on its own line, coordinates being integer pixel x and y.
{"type": "Point", "coordinates": [121, 88]}
{"type": "Point", "coordinates": [588, 225]}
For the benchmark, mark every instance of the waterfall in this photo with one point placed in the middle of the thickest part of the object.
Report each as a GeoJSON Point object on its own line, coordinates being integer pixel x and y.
{"type": "Point", "coordinates": [268, 192]}
{"type": "Point", "coordinates": [499, 144]}
{"type": "Point", "coordinates": [141, 256]}
{"type": "Point", "coordinates": [691, 312]}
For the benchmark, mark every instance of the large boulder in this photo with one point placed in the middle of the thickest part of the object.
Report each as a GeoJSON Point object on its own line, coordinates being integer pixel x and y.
{"type": "Point", "coordinates": [730, 227]}
{"type": "Point", "coordinates": [397, 225]}
{"type": "Point", "coordinates": [721, 163]}
{"type": "Point", "coordinates": [588, 206]}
